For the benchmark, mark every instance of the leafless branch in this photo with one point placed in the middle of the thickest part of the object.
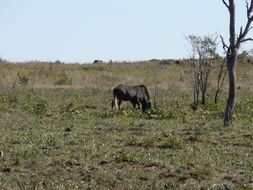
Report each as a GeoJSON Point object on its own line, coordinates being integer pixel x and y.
{"type": "Point", "coordinates": [247, 28]}
{"type": "Point", "coordinates": [241, 29]}
{"type": "Point", "coordinates": [247, 39]}
{"type": "Point", "coordinates": [249, 8]}
{"type": "Point", "coordinates": [221, 78]}
{"type": "Point", "coordinates": [225, 47]}
{"type": "Point", "coordinates": [225, 3]}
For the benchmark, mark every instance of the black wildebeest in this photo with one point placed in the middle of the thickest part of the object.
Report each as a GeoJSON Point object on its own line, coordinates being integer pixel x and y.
{"type": "Point", "coordinates": [135, 94]}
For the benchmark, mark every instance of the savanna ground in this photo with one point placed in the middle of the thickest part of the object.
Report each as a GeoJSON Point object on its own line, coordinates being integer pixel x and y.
{"type": "Point", "coordinates": [59, 132]}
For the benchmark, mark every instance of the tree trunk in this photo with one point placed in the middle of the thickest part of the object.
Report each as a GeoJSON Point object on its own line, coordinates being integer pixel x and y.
{"type": "Point", "coordinates": [232, 54]}
{"type": "Point", "coordinates": [216, 97]}
{"type": "Point", "coordinates": [203, 101]}
{"type": "Point", "coordinates": [231, 67]}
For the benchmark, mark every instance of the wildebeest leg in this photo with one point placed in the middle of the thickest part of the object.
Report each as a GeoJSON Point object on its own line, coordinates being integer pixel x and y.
{"type": "Point", "coordinates": [138, 104]}
{"type": "Point", "coordinates": [143, 105]}
{"type": "Point", "coordinates": [115, 102]}
{"type": "Point", "coordinates": [134, 103]}
{"type": "Point", "coordinates": [119, 102]}
{"type": "Point", "coordinates": [112, 104]}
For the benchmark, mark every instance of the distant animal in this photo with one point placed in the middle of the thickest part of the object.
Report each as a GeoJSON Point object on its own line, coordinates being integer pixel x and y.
{"type": "Point", "coordinates": [98, 61]}
{"type": "Point", "coordinates": [137, 95]}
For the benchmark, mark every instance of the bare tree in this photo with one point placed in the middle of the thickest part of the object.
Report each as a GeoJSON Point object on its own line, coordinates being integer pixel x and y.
{"type": "Point", "coordinates": [232, 53]}
{"type": "Point", "coordinates": [195, 82]}
{"type": "Point", "coordinates": [203, 52]}
{"type": "Point", "coordinates": [221, 78]}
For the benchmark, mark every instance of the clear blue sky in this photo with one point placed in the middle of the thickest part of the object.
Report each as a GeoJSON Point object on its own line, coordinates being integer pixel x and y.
{"type": "Point", "coordinates": [84, 30]}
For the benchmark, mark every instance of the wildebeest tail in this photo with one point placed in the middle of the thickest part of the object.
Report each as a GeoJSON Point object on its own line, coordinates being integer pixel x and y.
{"type": "Point", "coordinates": [146, 91]}
{"type": "Point", "coordinates": [113, 99]}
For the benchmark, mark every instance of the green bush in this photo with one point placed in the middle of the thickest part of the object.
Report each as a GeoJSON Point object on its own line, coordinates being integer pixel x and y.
{"type": "Point", "coordinates": [63, 80]}
{"type": "Point", "coordinates": [38, 107]}
{"type": "Point", "coordinates": [22, 79]}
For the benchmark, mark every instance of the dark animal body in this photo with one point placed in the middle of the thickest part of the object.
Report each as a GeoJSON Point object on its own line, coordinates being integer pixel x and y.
{"type": "Point", "coordinates": [135, 94]}
{"type": "Point", "coordinates": [96, 61]}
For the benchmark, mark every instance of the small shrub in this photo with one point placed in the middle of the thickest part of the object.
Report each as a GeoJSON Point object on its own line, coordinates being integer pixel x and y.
{"type": "Point", "coordinates": [134, 157]}
{"type": "Point", "coordinates": [63, 80]}
{"type": "Point", "coordinates": [70, 110]}
{"type": "Point", "coordinates": [126, 156]}
{"type": "Point", "coordinates": [22, 79]}
{"type": "Point", "coordinates": [173, 143]}
{"type": "Point", "coordinates": [39, 107]}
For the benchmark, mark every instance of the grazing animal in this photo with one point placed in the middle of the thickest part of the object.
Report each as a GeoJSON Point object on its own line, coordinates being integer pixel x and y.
{"type": "Point", "coordinates": [135, 94]}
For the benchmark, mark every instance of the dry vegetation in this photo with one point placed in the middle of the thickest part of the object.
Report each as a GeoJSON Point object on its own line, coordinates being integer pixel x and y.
{"type": "Point", "coordinates": [93, 76]}
{"type": "Point", "coordinates": [59, 132]}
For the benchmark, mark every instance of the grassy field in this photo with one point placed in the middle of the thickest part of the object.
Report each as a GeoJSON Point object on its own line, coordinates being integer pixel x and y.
{"type": "Point", "coordinates": [59, 132]}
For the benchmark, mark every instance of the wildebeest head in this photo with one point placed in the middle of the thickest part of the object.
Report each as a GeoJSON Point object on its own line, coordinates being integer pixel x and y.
{"type": "Point", "coordinates": [146, 104]}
